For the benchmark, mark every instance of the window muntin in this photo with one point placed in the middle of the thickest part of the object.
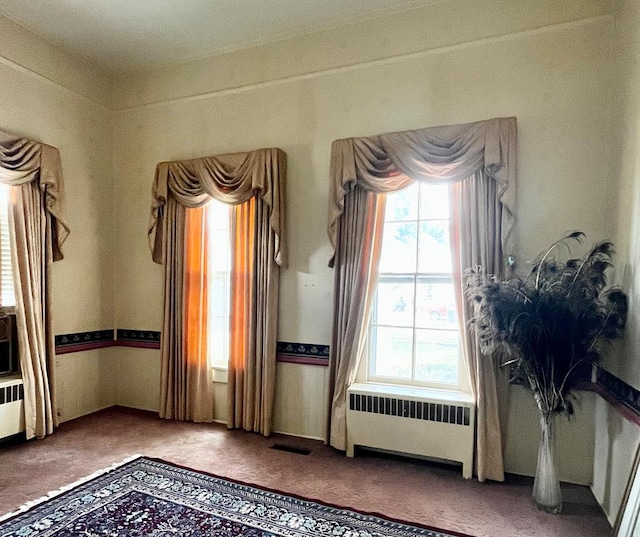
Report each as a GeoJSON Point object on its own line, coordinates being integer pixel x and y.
{"type": "Point", "coordinates": [219, 282]}
{"type": "Point", "coordinates": [414, 334]}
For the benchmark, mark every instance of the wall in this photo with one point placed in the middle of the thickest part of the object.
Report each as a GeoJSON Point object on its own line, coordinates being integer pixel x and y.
{"type": "Point", "coordinates": [547, 63]}
{"type": "Point", "coordinates": [616, 438]}
{"type": "Point", "coordinates": [52, 97]}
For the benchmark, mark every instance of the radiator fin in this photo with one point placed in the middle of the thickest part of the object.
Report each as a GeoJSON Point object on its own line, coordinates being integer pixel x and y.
{"type": "Point", "coordinates": [420, 410]}
{"type": "Point", "coordinates": [9, 394]}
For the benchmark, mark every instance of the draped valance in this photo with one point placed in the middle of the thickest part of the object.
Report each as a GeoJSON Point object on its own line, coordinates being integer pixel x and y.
{"type": "Point", "coordinates": [23, 161]}
{"type": "Point", "coordinates": [233, 178]}
{"type": "Point", "coordinates": [386, 162]}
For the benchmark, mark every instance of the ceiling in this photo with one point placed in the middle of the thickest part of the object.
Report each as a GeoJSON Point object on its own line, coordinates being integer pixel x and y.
{"type": "Point", "coordinates": [122, 35]}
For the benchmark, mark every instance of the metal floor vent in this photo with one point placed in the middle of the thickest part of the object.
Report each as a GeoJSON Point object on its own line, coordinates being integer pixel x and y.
{"type": "Point", "coordinates": [420, 410]}
{"type": "Point", "coordinates": [291, 449]}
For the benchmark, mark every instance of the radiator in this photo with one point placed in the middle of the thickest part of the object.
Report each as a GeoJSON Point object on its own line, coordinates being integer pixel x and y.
{"type": "Point", "coordinates": [11, 406]}
{"type": "Point", "coordinates": [424, 422]}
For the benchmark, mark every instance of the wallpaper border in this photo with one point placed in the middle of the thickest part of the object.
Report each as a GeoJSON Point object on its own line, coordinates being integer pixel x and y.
{"type": "Point", "coordinates": [286, 351]}
{"type": "Point", "coordinates": [622, 396]}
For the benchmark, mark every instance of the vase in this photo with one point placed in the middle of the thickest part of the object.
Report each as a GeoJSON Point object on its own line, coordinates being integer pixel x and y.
{"type": "Point", "coordinates": [546, 487]}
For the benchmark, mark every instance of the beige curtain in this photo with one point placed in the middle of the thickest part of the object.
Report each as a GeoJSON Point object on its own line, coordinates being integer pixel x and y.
{"type": "Point", "coordinates": [254, 316]}
{"type": "Point", "coordinates": [355, 278]}
{"type": "Point", "coordinates": [257, 179]}
{"type": "Point", "coordinates": [187, 392]}
{"type": "Point", "coordinates": [475, 238]}
{"type": "Point", "coordinates": [388, 162]}
{"type": "Point", "coordinates": [39, 229]}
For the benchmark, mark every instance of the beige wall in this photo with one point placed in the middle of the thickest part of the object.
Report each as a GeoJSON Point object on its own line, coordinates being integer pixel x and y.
{"type": "Point", "coordinates": [548, 65]}
{"type": "Point", "coordinates": [616, 438]}
{"type": "Point", "coordinates": [57, 99]}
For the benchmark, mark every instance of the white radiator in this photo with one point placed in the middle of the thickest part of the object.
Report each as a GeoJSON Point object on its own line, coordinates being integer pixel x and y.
{"type": "Point", "coordinates": [11, 406]}
{"type": "Point", "coordinates": [425, 422]}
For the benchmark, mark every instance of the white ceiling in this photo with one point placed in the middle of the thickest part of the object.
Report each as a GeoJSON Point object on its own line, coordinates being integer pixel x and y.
{"type": "Point", "coordinates": [131, 34]}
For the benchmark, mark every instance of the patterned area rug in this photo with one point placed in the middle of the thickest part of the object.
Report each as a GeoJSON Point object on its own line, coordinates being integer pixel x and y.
{"type": "Point", "coordinates": [154, 498]}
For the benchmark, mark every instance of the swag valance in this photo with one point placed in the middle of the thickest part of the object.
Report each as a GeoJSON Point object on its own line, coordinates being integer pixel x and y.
{"type": "Point", "coordinates": [23, 161]}
{"type": "Point", "coordinates": [386, 162]}
{"type": "Point", "coordinates": [232, 178]}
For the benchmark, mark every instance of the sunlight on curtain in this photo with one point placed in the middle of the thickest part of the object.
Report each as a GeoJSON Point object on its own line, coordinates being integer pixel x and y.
{"type": "Point", "coordinates": [244, 217]}
{"type": "Point", "coordinates": [196, 286]}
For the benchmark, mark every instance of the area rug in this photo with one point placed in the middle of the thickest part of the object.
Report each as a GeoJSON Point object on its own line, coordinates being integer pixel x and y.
{"type": "Point", "coordinates": [154, 498]}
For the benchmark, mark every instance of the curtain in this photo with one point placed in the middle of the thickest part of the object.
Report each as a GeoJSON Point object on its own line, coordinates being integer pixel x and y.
{"type": "Point", "coordinates": [254, 315]}
{"type": "Point", "coordinates": [475, 239]}
{"type": "Point", "coordinates": [188, 393]}
{"type": "Point", "coordinates": [38, 226]}
{"type": "Point", "coordinates": [355, 278]}
{"type": "Point", "coordinates": [254, 182]}
{"type": "Point", "coordinates": [386, 163]}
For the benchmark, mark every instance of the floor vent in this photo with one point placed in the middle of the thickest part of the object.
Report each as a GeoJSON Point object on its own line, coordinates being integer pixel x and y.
{"type": "Point", "coordinates": [291, 449]}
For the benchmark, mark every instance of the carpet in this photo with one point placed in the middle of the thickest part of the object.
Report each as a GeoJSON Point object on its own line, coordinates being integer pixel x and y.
{"type": "Point", "coordinates": [155, 498]}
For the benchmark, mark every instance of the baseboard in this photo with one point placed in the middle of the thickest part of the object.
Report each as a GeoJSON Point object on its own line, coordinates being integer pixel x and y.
{"type": "Point", "coordinates": [299, 435]}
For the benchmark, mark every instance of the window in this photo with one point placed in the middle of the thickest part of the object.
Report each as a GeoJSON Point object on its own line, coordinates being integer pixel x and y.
{"type": "Point", "coordinates": [219, 282]}
{"type": "Point", "coordinates": [7, 293]}
{"type": "Point", "coordinates": [414, 335]}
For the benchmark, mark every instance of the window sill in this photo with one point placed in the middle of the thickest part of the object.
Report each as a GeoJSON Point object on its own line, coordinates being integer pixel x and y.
{"type": "Point", "coordinates": [10, 380]}
{"type": "Point", "coordinates": [418, 392]}
{"type": "Point", "coordinates": [219, 374]}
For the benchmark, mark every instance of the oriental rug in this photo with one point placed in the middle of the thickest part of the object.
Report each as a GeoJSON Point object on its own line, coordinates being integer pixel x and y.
{"type": "Point", "coordinates": [154, 498]}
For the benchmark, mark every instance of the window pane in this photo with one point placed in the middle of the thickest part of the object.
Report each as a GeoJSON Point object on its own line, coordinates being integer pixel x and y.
{"type": "Point", "coordinates": [434, 202]}
{"type": "Point", "coordinates": [394, 303]}
{"type": "Point", "coordinates": [219, 258]}
{"type": "Point", "coordinates": [7, 292]}
{"type": "Point", "coordinates": [218, 215]}
{"type": "Point", "coordinates": [436, 305]}
{"type": "Point", "coordinates": [399, 248]}
{"type": "Point", "coordinates": [434, 254]}
{"type": "Point", "coordinates": [219, 282]}
{"type": "Point", "coordinates": [392, 352]}
{"type": "Point", "coordinates": [402, 205]}
{"type": "Point", "coordinates": [437, 356]}
{"type": "Point", "coordinates": [218, 340]}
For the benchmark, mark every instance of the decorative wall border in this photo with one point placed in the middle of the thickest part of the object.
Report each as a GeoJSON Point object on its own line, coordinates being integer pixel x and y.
{"type": "Point", "coordinates": [302, 353]}
{"type": "Point", "coordinates": [84, 341]}
{"type": "Point", "coordinates": [295, 353]}
{"type": "Point", "coordinates": [147, 339]}
{"type": "Point", "coordinates": [620, 395]}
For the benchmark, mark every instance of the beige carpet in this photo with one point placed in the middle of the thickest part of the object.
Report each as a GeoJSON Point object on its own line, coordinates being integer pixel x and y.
{"type": "Point", "coordinates": [435, 495]}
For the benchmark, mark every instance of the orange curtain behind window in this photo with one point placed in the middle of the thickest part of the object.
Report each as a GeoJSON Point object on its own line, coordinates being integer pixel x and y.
{"type": "Point", "coordinates": [189, 393]}
{"type": "Point", "coordinates": [199, 381]}
{"type": "Point", "coordinates": [254, 314]}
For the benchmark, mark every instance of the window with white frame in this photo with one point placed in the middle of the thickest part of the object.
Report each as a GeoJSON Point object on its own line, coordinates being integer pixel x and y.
{"type": "Point", "coordinates": [414, 335]}
{"type": "Point", "coordinates": [7, 291]}
{"type": "Point", "coordinates": [219, 282]}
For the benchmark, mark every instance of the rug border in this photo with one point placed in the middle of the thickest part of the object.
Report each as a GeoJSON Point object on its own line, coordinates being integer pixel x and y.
{"type": "Point", "coordinates": [52, 494]}
{"type": "Point", "coordinates": [453, 533]}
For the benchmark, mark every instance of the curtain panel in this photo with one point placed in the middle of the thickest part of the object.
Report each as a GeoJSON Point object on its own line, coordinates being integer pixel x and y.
{"type": "Point", "coordinates": [389, 162]}
{"type": "Point", "coordinates": [254, 183]}
{"type": "Point", "coordinates": [38, 226]}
